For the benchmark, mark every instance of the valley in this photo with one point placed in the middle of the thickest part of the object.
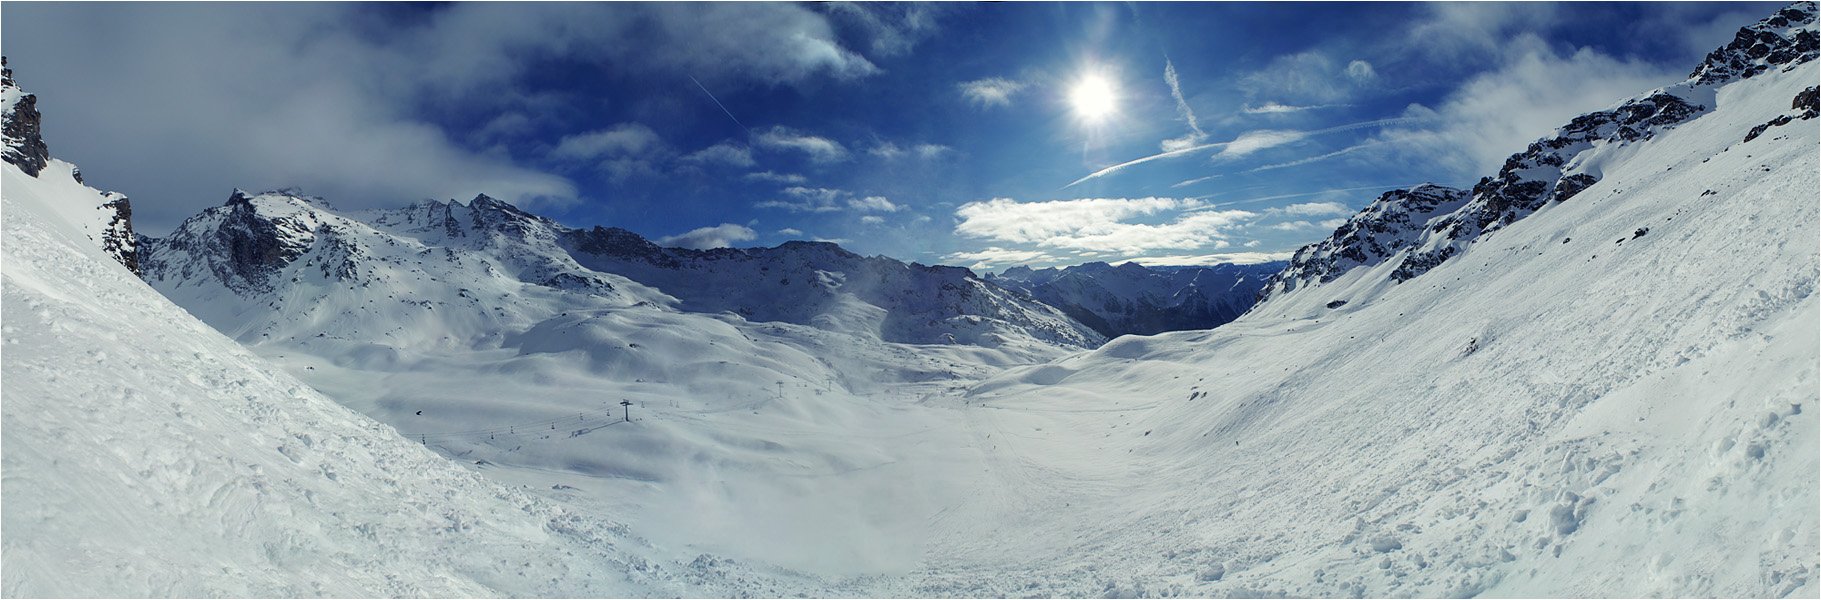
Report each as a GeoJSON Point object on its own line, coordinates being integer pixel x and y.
{"type": "Point", "coordinates": [1592, 373]}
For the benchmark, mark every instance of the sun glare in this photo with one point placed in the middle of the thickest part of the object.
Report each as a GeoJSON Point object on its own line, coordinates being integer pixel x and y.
{"type": "Point", "coordinates": [1093, 97]}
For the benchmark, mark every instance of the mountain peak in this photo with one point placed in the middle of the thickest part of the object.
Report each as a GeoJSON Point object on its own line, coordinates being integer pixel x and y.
{"type": "Point", "coordinates": [19, 119]}
{"type": "Point", "coordinates": [1782, 39]}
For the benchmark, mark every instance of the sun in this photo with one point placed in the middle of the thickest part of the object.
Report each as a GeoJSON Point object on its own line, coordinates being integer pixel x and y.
{"type": "Point", "coordinates": [1094, 98]}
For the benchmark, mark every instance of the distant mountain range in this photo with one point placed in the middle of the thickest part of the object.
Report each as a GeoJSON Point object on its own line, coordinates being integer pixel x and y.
{"type": "Point", "coordinates": [1135, 299]}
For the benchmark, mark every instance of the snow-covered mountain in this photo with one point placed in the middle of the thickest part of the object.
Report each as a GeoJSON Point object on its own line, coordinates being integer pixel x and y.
{"type": "Point", "coordinates": [1135, 299]}
{"type": "Point", "coordinates": [1594, 374]}
{"type": "Point", "coordinates": [147, 455]}
{"type": "Point", "coordinates": [107, 217]}
{"type": "Point", "coordinates": [1611, 394]}
{"type": "Point", "coordinates": [283, 265]}
{"type": "Point", "coordinates": [1420, 228]}
{"type": "Point", "coordinates": [821, 284]}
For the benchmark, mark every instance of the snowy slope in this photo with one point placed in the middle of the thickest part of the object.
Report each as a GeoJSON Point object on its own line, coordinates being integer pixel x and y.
{"type": "Point", "coordinates": [105, 217]}
{"type": "Point", "coordinates": [1135, 299]}
{"type": "Point", "coordinates": [147, 455]}
{"type": "Point", "coordinates": [1612, 395]}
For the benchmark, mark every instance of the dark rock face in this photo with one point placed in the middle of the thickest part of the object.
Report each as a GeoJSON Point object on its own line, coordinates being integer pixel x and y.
{"type": "Point", "coordinates": [1134, 299]}
{"type": "Point", "coordinates": [1392, 223]}
{"type": "Point", "coordinates": [118, 239]}
{"type": "Point", "coordinates": [24, 140]}
{"type": "Point", "coordinates": [1806, 105]}
{"type": "Point", "coordinates": [24, 148]}
{"type": "Point", "coordinates": [243, 247]}
{"type": "Point", "coordinates": [1780, 40]}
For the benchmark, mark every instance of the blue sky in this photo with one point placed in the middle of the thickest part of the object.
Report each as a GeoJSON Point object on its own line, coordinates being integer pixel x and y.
{"type": "Point", "coordinates": [969, 134]}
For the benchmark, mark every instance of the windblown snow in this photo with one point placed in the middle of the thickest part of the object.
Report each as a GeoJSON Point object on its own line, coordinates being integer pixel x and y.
{"type": "Point", "coordinates": [1593, 374]}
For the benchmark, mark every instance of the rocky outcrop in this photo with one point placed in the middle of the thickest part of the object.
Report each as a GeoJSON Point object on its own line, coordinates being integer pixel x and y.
{"type": "Point", "coordinates": [24, 148]}
{"type": "Point", "coordinates": [1804, 107]}
{"type": "Point", "coordinates": [1779, 41]}
{"type": "Point", "coordinates": [1389, 225]}
{"type": "Point", "coordinates": [1424, 230]}
{"type": "Point", "coordinates": [21, 125]}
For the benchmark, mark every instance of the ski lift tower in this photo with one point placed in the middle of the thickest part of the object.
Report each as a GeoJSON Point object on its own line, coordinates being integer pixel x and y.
{"type": "Point", "coordinates": [627, 404]}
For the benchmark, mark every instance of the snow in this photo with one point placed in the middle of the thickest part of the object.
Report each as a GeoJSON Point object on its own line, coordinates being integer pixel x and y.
{"type": "Point", "coordinates": [147, 455]}
{"type": "Point", "coordinates": [1611, 415]}
{"type": "Point", "coordinates": [1566, 407]}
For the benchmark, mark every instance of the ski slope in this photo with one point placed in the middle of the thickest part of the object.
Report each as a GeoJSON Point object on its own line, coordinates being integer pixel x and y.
{"type": "Point", "coordinates": [1613, 394]}
{"type": "Point", "coordinates": [1567, 408]}
{"type": "Point", "coordinates": [147, 455]}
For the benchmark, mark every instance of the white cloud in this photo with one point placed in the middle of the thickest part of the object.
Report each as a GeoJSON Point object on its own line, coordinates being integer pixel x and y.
{"type": "Point", "coordinates": [886, 150]}
{"type": "Point", "coordinates": [724, 153]}
{"type": "Point", "coordinates": [1270, 108]}
{"type": "Point", "coordinates": [1318, 158]}
{"type": "Point", "coordinates": [1097, 223]}
{"type": "Point", "coordinates": [807, 199]}
{"type": "Point", "coordinates": [892, 28]}
{"type": "Point", "coordinates": [1453, 31]}
{"type": "Point", "coordinates": [1308, 77]}
{"type": "Point", "coordinates": [1314, 209]}
{"type": "Point", "coordinates": [776, 177]}
{"type": "Point", "coordinates": [873, 204]}
{"type": "Point", "coordinates": [818, 149]}
{"type": "Point", "coordinates": [872, 220]}
{"type": "Point", "coordinates": [1501, 111]}
{"type": "Point", "coordinates": [1253, 244]}
{"type": "Point", "coordinates": [993, 91]}
{"type": "Point", "coordinates": [622, 139]}
{"type": "Point", "coordinates": [720, 236]}
{"type": "Point", "coordinates": [790, 231]}
{"type": "Point", "coordinates": [994, 256]}
{"type": "Point", "coordinates": [1332, 223]}
{"type": "Point", "coordinates": [1241, 258]}
{"type": "Point", "coordinates": [1195, 135]}
{"type": "Point", "coordinates": [1293, 226]}
{"type": "Point", "coordinates": [929, 151]}
{"type": "Point", "coordinates": [1253, 141]}
{"type": "Point", "coordinates": [889, 151]}
{"type": "Point", "coordinates": [1257, 139]}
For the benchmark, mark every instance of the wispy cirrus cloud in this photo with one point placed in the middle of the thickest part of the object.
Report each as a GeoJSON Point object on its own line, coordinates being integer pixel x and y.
{"type": "Point", "coordinates": [622, 139]}
{"type": "Point", "coordinates": [1195, 135]}
{"type": "Point", "coordinates": [817, 148]}
{"type": "Point", "coordinates": [1406, 119]}
{"type": "Point", "coordinates": [873, 204]}
{"type": "Point", "coordinates": [1275, 108]}
{"type": "Point", "coordinates": [726, 153]}
{"type": "Point", "coordinates": [775, 177]}
{"type": "Point", "coordinates": [827, 200]}
{"type": "Point", "coordinates": [1309, 77]}
{"type": "Point", "coordinates": [890, 151]}
{"type": "Point", "coordinates": [1197, 260]}
{"type": "Point", "coordinates": [807, 199]}
{"type": "Point", "coordinates": [989, 92]}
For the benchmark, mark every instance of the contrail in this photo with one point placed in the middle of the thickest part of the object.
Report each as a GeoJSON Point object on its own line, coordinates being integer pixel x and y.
{"type": "Point", "coordinates": [1339, 128]}
{"type": "Point", "coordinates": [717, 102]}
